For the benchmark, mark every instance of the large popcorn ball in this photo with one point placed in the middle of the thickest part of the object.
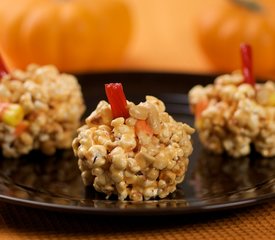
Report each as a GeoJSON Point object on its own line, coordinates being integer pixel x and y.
{"type": "Point", "coordinates": [40, 108]}
{"type": "Point", "coordinates": [141, 156]}
{"type": "Point", "coordinates": [232, 115]}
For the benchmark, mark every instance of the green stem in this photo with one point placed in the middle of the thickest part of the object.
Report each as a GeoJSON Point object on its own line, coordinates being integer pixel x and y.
{"type": "Point", "coordinates": [249, 4]}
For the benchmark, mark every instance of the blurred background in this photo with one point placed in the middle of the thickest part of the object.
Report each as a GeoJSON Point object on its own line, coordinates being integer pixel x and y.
{"type": "Point", "coordinates": [138, 35]}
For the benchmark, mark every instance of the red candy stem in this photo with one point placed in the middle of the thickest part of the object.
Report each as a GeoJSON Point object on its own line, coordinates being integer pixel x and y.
{"type": "Point", "coordinates": [247, 64]}
{"type": "Point", "coordinates": [117, 100]}
{"type": "Point", "coordinates": [3, 69]}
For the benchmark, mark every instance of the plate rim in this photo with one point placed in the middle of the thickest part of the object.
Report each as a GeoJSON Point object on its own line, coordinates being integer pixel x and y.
{"type": "Point", "coordinates": [214, 207]}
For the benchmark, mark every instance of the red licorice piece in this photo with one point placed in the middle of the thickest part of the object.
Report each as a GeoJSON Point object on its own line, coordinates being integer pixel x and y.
{"type": "Point", "coordinates": [3, 69]}
{"type": "Point", "coordinates": [247, 64]}
{"type": "Point", "coordinates": [117, 100]}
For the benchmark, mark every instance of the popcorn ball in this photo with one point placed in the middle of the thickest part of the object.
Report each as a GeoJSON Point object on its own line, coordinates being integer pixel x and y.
{"type": "Point", "coordinates": [235, 114]}
{"type": "Point", "coordinates": [136, 152]}
{"type": "Point", "coordinates": [40, 108]}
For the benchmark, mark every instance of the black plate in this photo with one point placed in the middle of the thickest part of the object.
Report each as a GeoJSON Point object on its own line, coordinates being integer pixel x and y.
{"type": "Point", "coordinates": [212, 182]}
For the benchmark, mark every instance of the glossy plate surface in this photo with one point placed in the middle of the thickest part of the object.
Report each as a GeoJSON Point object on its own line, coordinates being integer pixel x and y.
{"type": "Point", "coordinates": [212, 182]}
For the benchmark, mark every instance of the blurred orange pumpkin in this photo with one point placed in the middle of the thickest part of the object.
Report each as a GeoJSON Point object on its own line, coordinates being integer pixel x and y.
{"type": "Point", "coordinates": [75, 35]}
{"type": "Point", "coordinates": [222, 29]}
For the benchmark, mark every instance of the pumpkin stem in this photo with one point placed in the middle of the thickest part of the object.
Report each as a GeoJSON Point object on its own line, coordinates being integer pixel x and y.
{"type": "Point", "coordinates": [247, 62]}
{"type": "Point", "coordinates": [249, 4]}
{"type": "Point", "coordinates": [3, 69]}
